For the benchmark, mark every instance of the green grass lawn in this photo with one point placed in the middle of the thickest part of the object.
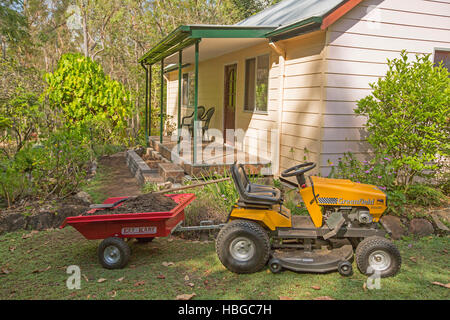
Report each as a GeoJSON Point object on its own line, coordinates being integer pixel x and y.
{"type": "Point", "coordinates": [35, 268]}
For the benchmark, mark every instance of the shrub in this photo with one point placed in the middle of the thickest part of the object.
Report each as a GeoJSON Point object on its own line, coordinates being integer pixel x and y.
{"type": "Point", "coordinates": [378, 171]}
{"type": "Point", "coordinates": [424, 195]}
{"type": "Point", "coordinates": [87, 96]}
{"type": "Point", "coordinates": [407, 116]}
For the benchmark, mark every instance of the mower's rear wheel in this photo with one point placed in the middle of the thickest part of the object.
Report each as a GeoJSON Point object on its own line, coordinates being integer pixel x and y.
{"type": "Point", "coordinates": [243, 246]}
{"type": "Point", "coordinates": [379, 256]}
{"type": "Point", "coordinates": [113, 253]}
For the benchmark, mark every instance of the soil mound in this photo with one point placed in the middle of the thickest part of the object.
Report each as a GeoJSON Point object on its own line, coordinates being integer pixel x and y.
{"type": "Point", "coordinates": [144, 203]}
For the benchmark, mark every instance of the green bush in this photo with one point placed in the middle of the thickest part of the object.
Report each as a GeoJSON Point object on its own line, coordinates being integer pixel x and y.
{"type": "Point", "coordinates": [14, 182]}
{"type": "Point", "coordinates": [88, 97]}
{"type": "Point", "coordinates": [424, 195]}
{"type": "Point", "coordinates": [378, 171]}
{"type": "Point", "coordinates": [407, 116]}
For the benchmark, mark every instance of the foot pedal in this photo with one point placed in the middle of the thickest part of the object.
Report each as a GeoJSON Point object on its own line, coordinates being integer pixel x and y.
{"type": "Point", "coordinates": [334, 222]}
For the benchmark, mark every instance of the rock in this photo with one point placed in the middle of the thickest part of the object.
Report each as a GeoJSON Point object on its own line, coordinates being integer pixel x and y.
{"type": "Point", "coordinates": [40, 221]}
{"type": "Point", "coordinates": [444, 214]}
{"type": "Point", "coordinates": [84, 196]}
{"type": "Point", "coordinates": [393, 225]}
{"type": "Point", "coordinates": [15, 221]}
{"type": "Point", "coordinates": [421, 227]}
{"type": "Point", "coordinates": [437, 221]}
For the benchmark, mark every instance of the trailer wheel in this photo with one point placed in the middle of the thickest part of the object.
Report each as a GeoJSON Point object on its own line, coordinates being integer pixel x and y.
{"type": "Point", "coordinates": [243, 246]}
{"type": "Point", "coordinates": [377, 255]}
{"type": "Point", "coordinates": [144, 240]}
{"type": "Point", "coordinates": [113, 253]}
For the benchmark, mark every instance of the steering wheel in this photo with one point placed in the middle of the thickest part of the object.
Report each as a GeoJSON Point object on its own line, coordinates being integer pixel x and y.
{"type": "Point", "coordinates": [299, 171]}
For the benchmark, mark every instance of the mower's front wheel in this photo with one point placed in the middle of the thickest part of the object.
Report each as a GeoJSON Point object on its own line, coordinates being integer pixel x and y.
{"type": "Point", "coordinates": [243, 246]}
{"type": "Point", "coordinates": [113, 253]}
{"type": "Point", "coordinates": [378, 256]}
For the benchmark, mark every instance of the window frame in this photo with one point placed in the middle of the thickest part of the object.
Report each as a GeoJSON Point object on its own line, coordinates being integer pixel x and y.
{"type": "Point", "coordinates": [190, 77]}
{"type": "Point", "coordinates": [264, 112]}
{"type": "Point", "coordinates": [439, 49]}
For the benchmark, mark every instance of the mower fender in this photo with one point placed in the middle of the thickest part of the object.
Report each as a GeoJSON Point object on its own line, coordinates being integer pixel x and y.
{"type": "Point", "coordinates": [314, 209]}
{"type": "Point", "coordinates": [270, 218]}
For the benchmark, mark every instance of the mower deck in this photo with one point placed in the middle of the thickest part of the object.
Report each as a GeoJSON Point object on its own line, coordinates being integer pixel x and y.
{"type": "Point", "coordinates": [319, 260]}
{"type": "Point", "coordinates": [303, 227]}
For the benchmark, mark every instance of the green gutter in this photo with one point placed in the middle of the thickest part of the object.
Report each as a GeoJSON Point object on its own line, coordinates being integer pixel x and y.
{"type": "Point", "coordinates": [298, 26]}
{"type": "Point", "coordinates": [175, 67]}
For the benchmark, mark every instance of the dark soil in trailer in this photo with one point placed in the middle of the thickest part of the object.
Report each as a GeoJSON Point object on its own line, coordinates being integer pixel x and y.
{"type": "Point", "coordinates": [144, 203]}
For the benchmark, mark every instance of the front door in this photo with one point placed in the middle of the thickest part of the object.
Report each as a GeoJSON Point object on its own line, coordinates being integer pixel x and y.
{"type": "Point", "coordinates": [229, 103]}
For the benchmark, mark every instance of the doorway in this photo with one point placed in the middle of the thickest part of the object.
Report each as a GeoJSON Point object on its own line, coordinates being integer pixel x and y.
{"type": "Point", "coordinates": [229, 102]}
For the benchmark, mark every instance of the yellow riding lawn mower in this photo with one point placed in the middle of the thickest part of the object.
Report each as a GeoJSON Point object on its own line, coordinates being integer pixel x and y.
{"type": "Point", "coordinates": [342, 224]}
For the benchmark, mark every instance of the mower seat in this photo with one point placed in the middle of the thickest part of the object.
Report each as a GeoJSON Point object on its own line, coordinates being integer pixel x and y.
{"type": "Point", "coordinates": [253, 194]}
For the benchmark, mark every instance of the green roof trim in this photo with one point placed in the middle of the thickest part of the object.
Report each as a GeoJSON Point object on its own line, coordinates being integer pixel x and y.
{"type": "Point", "coordinates": [296, 27]}
{"type": "Point", "coordinates": [174, 67]}
{"type": "Point", "coordinates": [185, 36]}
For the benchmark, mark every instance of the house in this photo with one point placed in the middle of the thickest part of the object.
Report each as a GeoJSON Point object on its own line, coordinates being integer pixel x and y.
{"type": "Point", "coordinates": [289, 77]}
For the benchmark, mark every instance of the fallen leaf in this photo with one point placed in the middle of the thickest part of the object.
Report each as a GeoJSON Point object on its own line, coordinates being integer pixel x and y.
{"type": "Point", "coordinates": [139, 283]}
{"type": "Point", "coordinates": [185, 296]}
{"type": "Point", "coordinates": [365, 286]}
{"type": "Point", "coordinates": [85, 278]}
{"type": "Point", "coordinates": [12, 248]}
{"type": "Point", "coordinates": [41, 270]}
{"type": "Point", "coordinates": [167, 264]}
{"type": "Point", "coordinates": [161, 276]}
{"type": "Point", "coordinates": [101, 280]}
{"type": "Point", "coordinates": [324, 298]}
{"type": "Point", "coordinates": [29, 235]}
{"type": "Point", "coordinates": [206, 273]}
{"type": "Point", "coordinates": [5, 271]}
{"type": "Point", "coordinates": [186, 278]}
{"type": "Point", "coordinates": [413, 259]}
{"type": "Point", "coordinates": [112, 294]}
{"type": "Point", "coordinates": [441, 284]}
{"type": "Point", "coordinates": [169, 240]}
{"type": "Point", "coordinates": [190, 284]}
{"type": "Point", "coordinates": [205, 282]}
{"type": "Point", "coordinates": [285, 298]}
{"type": "Point", "coordinates": [315, 287]}
{"type": "Point", "coordinates": [120, 279]}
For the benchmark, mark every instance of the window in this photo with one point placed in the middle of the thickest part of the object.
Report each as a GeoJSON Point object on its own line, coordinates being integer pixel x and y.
{"type": "Point", "coordinates": [256, 83]}
{"type": "Point", "coordinates": [187, 89]}
{"type": "Point", "coordinates": [444, 56]}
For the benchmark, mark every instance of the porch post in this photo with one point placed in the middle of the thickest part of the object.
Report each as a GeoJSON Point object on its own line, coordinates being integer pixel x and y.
{"type": "Point", "coordinates": [161, 125]}
{"type": "Point", "coordinates": [196, 101]}
{"type": "Point", "coordinates": [149, 119]}
{"type": "Point", "coordinates": [146, 104]}
{"type": "Point", "coordinates": [180, 62]}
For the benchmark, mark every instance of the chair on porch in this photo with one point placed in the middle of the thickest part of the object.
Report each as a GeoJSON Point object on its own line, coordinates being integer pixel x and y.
{"type": "Point", "coordinates": [206, 120]}
{"type": "Point", "coordinates": [188, 121]}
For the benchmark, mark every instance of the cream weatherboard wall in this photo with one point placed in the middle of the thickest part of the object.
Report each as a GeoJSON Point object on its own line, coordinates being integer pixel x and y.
{"type": "Point", "coordinates": [358, 46]}
{"type": "Point", "coordinates": [303, 98]}
{"type": "Point", "coordinates": [211, 94]}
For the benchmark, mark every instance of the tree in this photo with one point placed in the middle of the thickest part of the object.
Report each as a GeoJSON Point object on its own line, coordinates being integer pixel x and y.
{"type": "Point", "coordinates": [86, 96]}
{"type": "Point", "coordinates": [408, 116]}
{"type": "Point", "coordinates": [12, 23]}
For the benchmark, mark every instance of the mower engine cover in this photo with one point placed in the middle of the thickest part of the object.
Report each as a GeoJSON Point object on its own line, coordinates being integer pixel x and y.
{"type": "Point", "coordinates": [342, 193]}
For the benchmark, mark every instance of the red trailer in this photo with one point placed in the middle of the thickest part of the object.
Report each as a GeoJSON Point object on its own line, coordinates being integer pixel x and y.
{"type": "Point", "coordinates": [113, 251]}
